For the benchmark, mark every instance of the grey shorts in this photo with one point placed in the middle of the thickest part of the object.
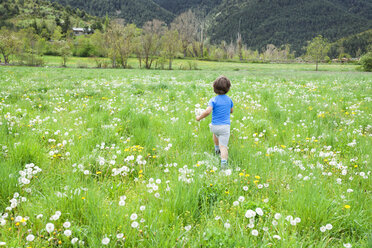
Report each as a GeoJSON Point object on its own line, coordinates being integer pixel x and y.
{"type": "Point", "coordinates": [222, 132]}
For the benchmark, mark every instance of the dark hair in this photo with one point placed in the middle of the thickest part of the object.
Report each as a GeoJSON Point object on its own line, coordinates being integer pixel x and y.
{"type": "Point", "coordinates": [221, 85]}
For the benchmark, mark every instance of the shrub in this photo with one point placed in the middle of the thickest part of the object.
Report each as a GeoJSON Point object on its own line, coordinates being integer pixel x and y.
{"type": "Point", "coordinates": [366, 61]}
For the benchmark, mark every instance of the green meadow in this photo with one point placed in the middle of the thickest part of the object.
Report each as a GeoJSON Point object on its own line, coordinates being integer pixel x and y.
{"type": "Point", "coordinates": [115, 158]}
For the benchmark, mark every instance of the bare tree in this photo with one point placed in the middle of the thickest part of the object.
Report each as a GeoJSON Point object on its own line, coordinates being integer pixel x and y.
{"type": "Point", "coordinates": [187, 27]}
{"type": "Point", "coordinates": [151, 41]}
{"type": "Point", "coordinates": [239, 44]}
{"type": "Point", "coordinates": [171, 45]}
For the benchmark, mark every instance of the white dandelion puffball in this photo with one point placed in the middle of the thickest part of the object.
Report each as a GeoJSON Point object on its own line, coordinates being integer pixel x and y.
{"type": "Point", "coordinates": [277, 237]}
{"type": "Point", "coordinates": [74, 240]}
{"type": "Point", "coordinates": [188, 228]}
{"type": "Point", "coordinates": [133, 216]}
{"type": "Point", "coordinates": [241, 198]}
{"type": "Point", "coordinates": [67, 233]}
{"type": "Point", "coordinates": [259, 211]}
{"type": "Point", "coordinates": [120, 235]}
{"type": "Point", "coordinates": [142, 208]}
{"type": "Point", "coordinates": [250, 214]}
{"type": "Point", "coordinates": [134, 224]}
{"type": "Point", "coordinates": [2, 243]}
{"type": "Point", "coordinates": [227, 225]}
{"type": "Point", "coordinates": [235, 203]}
{"type": "Point", "coordinates": [254, 232]}
{"type": "Point", "coordinates": [105, 241]}
{"type": "Point", "coordinates": [277, 216]}
{"type": "Point", "coordinates": [323, 229]}
{"type": "Point", "coordinates": [30, 238]}
{"type": "Point", "coordinates": [49, 227]}
{"type": "Point", "coordinates": [121, 203]}
{"type": "Point", "coordinates": [66, 224]}
{"type": "Point", "coordinates": [329, 226]}
{"type": "Point", "coordinates": [347, 245]}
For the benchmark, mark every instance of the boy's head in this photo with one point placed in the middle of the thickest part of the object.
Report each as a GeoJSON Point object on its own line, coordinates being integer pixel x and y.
{"type": "Point", "coordinates": [221, 85]}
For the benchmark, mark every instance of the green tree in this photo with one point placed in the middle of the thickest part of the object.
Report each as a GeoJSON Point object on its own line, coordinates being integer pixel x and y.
{"type": "Point", "coordinates": [57, 33]}
{"type": "Point", "coordinates": [317, 49]}
{"type": "Point", "coordinates": [171, 45]}
{"type": "Point", "coordinates": [9, 44]}
{"type": "Point", "coordinates": [366, 61]}
{"type": "Point", "coordinates": [65, 51]}
{"type": "Point", "coordinates": [151, 41]}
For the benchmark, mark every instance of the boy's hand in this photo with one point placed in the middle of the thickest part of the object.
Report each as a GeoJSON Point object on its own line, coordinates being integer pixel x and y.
{"type": "Point", "coordinates": [205, 113]}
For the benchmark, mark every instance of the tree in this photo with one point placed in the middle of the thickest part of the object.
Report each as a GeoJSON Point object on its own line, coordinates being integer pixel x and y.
{"type": "Point", "coordinates": [9, 44]}
{"type": "Point", "coordinates": [65, 51]}
{"type": "Point", "coordinates": [121, 41]}
{"type": "Point", "coordinates": [239, 44]}
{"type": "Point", "coordinates": [66, 25]}
{"type": "Point", "coordinates": [317, 49]}
{"type": "Point", "coordinates": [366, 61]}
{"type": "Point", "coordinates": [151, 41]}
{"type": "Point", "coordinates": [32, 47]}
{"type": "Point", "coordinates": [187, 27]}
{"type": "Point", "coordinates": [57, 33]}
{"type": "Point", "coordinates": [171, 45]}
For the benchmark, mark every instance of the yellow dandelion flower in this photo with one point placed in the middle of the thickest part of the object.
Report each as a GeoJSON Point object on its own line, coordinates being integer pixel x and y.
{"type": "Point", "coordinates": [347, 206]}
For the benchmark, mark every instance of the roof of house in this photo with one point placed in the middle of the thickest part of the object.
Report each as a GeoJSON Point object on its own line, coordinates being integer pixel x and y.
{"type": "Point", "coordinates": [78, 29]}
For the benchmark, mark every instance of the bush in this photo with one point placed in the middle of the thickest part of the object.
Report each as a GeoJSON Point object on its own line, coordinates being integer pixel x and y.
{"type": "Point", "coordinates": [30, 60]}
{"type": "Point", "coordinates": [366, 61]}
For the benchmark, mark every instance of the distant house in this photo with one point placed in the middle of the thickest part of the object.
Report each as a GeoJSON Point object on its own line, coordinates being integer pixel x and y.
{"type": "Point", "coordinates": [78, 31]}
{"type": "Point", "coordinates": [82, 31]}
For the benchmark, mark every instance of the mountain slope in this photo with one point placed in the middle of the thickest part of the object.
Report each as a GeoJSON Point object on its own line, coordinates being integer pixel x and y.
{"type": "Point", "coordinates": [24, 13]}
{"type": "Point", "coordinates": [179, 6]}
{"type": "Point", "coordinates": [294, 22]}
{"type": "Point", "coordinates": [132, 11]}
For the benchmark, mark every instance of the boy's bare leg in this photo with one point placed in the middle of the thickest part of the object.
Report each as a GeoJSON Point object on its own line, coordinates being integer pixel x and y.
{"type": "Point", "coordinates": [224, 152]}
{"type": "Point", "coordinates": [215, 139]}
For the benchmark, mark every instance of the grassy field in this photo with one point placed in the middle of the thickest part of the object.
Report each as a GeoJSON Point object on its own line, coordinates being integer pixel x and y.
{"type": "Point", "coordinates": [114, 158]}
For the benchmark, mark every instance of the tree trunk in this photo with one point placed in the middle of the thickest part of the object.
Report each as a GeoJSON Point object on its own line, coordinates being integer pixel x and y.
{"type": "Point", "coordinates": [6, 61]}
{"type": "Point", "coordinates": [316, 65]}
{"type": "Point", "coordinates": [170, 63]}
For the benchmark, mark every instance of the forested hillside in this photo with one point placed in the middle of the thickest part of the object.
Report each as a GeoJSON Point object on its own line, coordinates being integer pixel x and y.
{"type": "Point", "coordinates": [132, 11]}
{"type": "Point", "coordinates": [41, 15]}
{"type": "Point", "coordinates": [259, 22]}
{"type": "Point", "coordinates": [179, 6]}
{"type": "Point", "coordinates": [353, 45]}
{"type": "Point", "coordinates": [294, 22]}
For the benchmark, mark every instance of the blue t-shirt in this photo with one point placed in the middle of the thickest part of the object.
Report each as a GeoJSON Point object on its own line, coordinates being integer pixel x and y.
{"type": "Point", "coordinates": [221, 105]}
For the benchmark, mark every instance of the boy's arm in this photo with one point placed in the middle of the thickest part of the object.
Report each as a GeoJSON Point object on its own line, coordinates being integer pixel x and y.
{"type": "Point", "coordinates": [205, 113]}
{"type": "Point", "coordinates": [231, 110]}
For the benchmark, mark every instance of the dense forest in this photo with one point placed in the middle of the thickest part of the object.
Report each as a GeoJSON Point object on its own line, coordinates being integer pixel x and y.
{"type": "Point", "coordinates": [259, 22]}
{"type": "Point", "coordinates": [131, 11]}
{"type": "Point", "coordinates": [179, 6]}
{"type": "Point", "coordinates": [292, 22]}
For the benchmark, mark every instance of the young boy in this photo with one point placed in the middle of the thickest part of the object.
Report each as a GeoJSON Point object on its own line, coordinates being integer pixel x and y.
{"type": "Point", "coordinates": [222, 106]}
